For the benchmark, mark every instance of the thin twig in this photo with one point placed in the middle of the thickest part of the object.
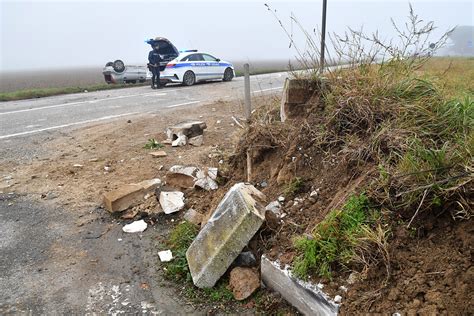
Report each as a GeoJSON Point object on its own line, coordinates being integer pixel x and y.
{"type": "Point", "coordinates": [237, 122]}
{"type": "Point", "coordinates": [419, 206]}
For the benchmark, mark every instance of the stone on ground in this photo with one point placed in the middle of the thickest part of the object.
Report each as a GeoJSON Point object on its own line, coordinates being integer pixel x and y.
{"type": "Point", "coordinates": [245, 259]}
{"type": "Point", "coordinates": [165, 255]}
{"type": "Point", "coordinates": [309, 299]}
{"type": "Point", "coordinates": [243, 282]}
{"type": "Point", "coordinates": [182, 140]}
{"type": "Point", "coordinates": [189, 129]}
{"type": "Point", "coordinates": [135, 227]}
{"type": "Point", "coordinates": [171, 202]}
{"type": "Point", "coordinates": [129, 195]}
{"type": "Point", "coordinates": [234, 222]}
{"type": "Point", "coordinates": [193, 217]}
{"type": "Point", "coordinates": [189, 177]}
{"type": "Point", "coordinates": [158, 154]}
{"type": "Point", "coordinates": [196, 141]}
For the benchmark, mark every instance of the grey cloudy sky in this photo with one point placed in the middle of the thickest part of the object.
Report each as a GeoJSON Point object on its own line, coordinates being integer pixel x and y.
{"type": "Point", "coordinates": [57, 34]}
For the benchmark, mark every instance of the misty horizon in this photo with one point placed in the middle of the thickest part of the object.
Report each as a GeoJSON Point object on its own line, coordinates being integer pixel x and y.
{"type": "Point", "coordinates": [89, 34]}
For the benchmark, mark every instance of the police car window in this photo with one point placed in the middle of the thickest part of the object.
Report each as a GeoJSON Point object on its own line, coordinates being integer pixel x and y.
{"type": "Point", "coordinates": [195, 57]}
{"type": "Point", "coordinates": [208, 57]}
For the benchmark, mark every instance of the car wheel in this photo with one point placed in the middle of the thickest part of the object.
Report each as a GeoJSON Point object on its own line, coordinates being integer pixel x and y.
{"type": "Point", "coordinates": [119, 66]}
{"type": "Point", "coordinates": [189, 78]}
{"type": "Point", "coordinates": [228, 74]}
{"type": "Point", "coordinates": [109, 64]}
{"type": "Point", "coordinates": [132, 81]}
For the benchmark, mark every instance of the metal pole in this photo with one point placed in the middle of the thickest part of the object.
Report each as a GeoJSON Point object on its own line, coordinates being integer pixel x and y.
{"type": "Point", "coordinates": [248, 105]}
{"type": "Point", "coordinates": [323, 38]}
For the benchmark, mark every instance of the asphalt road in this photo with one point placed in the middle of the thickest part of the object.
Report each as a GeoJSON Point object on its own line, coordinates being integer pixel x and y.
{"type": "Point", "coordinates": [28, 117]}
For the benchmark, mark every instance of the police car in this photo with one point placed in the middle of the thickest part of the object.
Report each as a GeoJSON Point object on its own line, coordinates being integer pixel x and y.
{"type": "Point", "coordinates": [192, 66]}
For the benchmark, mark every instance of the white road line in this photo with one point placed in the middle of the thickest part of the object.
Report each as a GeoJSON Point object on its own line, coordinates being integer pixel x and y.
{"type": "Point", "coordinates": [86, 102]}
{"type": "Point", "coordinates": [180, 104]}
{"type": "Point", "coordinates": [66, 125]}
{"type": "Point", "coordinates": [263, 90]}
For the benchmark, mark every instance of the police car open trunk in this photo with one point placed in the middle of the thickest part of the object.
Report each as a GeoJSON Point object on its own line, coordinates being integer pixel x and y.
{"type": "Point", "coordinates": [166, 49]}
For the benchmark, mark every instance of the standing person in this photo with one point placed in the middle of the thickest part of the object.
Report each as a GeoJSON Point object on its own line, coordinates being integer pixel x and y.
{"type": "Point", "coordinates": [154, 59]}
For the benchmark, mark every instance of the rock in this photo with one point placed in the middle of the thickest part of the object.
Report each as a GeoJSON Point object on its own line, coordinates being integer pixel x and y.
{"type": "Point", "coordinates": [77, 165]}
{"type": "Point", "coordinates": [337, 299]}
{"type": "Point", "coordinates": [158, 154]}
{"type": "Point", "coordinates": [135, 227]}
{"type": "Point", "coordinates": [189, 129]}
{"type": "Point", "coordinates": [306, 297]}
{"type": "Point", "coordinates": [182, 140]}
{"type": "Point", "coordinates": [196, 141]}
{"type": "Point", "coordinates": [245, 259]}
{"type": "Point", "coordinates": [206, 183]}
{"type": "Point", "coordinates": [264, 184]}
{"type": "Point", "coordinates": [190, 177]}
{"type": "Point", "coordinates": [182, 176]}
{"type": "Point", "coordinates": [212, 173]}
{"type": "Point", "coordinates": [193, 216]}
{"type": "Point", "coordinates": [274, 207]}
{"type": "Point", "coordinates": [165, 255]}
{"type": "Point", "coordinates": [129, 195]}
{"type": "Point", "coordinates": [281, 199]}
{"type": "Point", "coordinates": [243, 282]}
{"type": "Point", "coordinates": [235, 221]}
{"type": "Point", "coordinates": [171, 202]}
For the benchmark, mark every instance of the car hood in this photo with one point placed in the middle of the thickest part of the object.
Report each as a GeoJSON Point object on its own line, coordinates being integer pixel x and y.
{"type": "Point", "coordinates": [166, 49]}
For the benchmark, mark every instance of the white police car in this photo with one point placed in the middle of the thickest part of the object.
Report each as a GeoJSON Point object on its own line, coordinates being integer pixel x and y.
{"type": "Point", "coordinates": [192, 66]}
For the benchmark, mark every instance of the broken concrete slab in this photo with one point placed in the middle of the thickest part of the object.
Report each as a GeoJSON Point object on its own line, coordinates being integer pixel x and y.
{"type": "Point", "coordinates": [159, 154]}
{"type": "Point", "coordinates": [135, 227]}
{"type": "Point", "coordinates": [235, 221]}
{"type": "Point", "coordinates": [309, 299]}
{"type": "Point", "coordinates": [189, 129]}
{"type": "Point", "coordinates": [206, 183]}
{"type": "Point", "coordinates": [190, 177]}
{"type": "Point", "coordinates": [296, 93]}
{"type": "Point", "coordinates": [196, 140]}
{"type": "Point", "coordinates": [165, 255]}
{"type": "Point", "coordinates": [129, 195]}
{"type": "Point", "coordinates": [274, 207]}
{"type": "Point", "coordinates": [181, 140]}
{"type": "Point", "coordinates": [243, 282]}
{"type": "Point", "coordinates": [212, 173]}
{"type": "Point", "coordinates": [171, 202]}
{"type": "Point", "coordinates": [193, 216]}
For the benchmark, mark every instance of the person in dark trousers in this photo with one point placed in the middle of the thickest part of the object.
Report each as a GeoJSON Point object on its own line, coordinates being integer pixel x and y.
{"type": "Point", "coordinates": [154, 59]}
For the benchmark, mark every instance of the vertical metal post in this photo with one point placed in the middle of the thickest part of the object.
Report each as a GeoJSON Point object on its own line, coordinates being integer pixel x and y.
{"type": "Point", "coordinates": [248, 105]}
{"type": "Point", "coordinates": [323, 38]}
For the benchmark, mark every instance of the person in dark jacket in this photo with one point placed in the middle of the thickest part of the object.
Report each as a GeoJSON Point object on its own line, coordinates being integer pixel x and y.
{"type": "Point", "coordinates": [154, 59]}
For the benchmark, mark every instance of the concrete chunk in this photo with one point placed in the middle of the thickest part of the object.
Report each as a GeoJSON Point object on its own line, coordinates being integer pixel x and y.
{"type": "Point", "coordinates": [189, 129]}
{"type": "Point", "coordinates": [306, 297]}
{"type": "Point", "coordinates": [171, 202]}
{"type": "Point", "coordinates": [234, 222]}
{"type": "Point", "coordinates": [129, 195]}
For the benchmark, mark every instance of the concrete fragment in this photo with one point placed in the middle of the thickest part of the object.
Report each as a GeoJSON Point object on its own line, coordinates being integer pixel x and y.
{"type": "Point", "coordinates": [165, 255]}
{"type": "Point", "coordinates": [129, 195]}
{"type": "Point", "coordinates": [206, 183]}
{"type": "Point", "coordinates": [189, 129]}
{"type": "Point", "coordinates": [196, 141]}
{"type": "Point", "coordinates": [171, 202]}
{"type": "Point", "coordinates": [245, 259]}
{"type": "Point", "coordinates": [296, 93]}
{"type": "Point", "coordinates": [306, 297]}
{"type": "Point", "coordinates": [158, 154]}
{"type": "Point", "coordinates": [243, 282]}
{"type": "Point", "coordinates": [212, 173]}
{"type": "Point", "coordinates": [236, 219]}
{"type": "Point", "coordinates": [182, 140]}
{"type": "Point", "coordinates": [193, 216]}
{"type": "Point", "coordinates": [274, 207]}
{"type": "Point", "coordinates": [135, 227]}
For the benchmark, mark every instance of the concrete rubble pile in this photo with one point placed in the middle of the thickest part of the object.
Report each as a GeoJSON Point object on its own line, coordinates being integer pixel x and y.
{"type": "Point", "coordinates": [188, 132]}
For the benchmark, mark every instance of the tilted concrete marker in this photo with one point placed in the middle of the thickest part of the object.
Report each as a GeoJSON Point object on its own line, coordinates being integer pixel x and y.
{"type": "Point", "coordinates": [235, 221]}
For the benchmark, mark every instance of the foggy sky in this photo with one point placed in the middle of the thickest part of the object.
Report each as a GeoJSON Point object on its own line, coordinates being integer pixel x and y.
{"type": "Point", "coordinates": [42, 35]}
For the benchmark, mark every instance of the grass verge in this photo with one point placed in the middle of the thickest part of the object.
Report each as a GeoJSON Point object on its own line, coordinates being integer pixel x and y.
{"type": "Point", "coordinates": [47, 92]}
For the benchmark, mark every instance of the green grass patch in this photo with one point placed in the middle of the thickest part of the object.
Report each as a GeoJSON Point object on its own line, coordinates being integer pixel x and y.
{"type": "Point", "coordinates": [153, 144]}
{"type": "Point", "coordinates": [294, 187]}
{"type": "Point", "coordinates": [334, 240]}
{"type": "Point", "coordinates": [47, 92]}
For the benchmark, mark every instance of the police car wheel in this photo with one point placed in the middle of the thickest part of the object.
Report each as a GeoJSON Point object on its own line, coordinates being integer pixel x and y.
{"type": "Point", "coordinates": [228, 75]}
{"type": "Point", "coordinates": [189, 78]}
